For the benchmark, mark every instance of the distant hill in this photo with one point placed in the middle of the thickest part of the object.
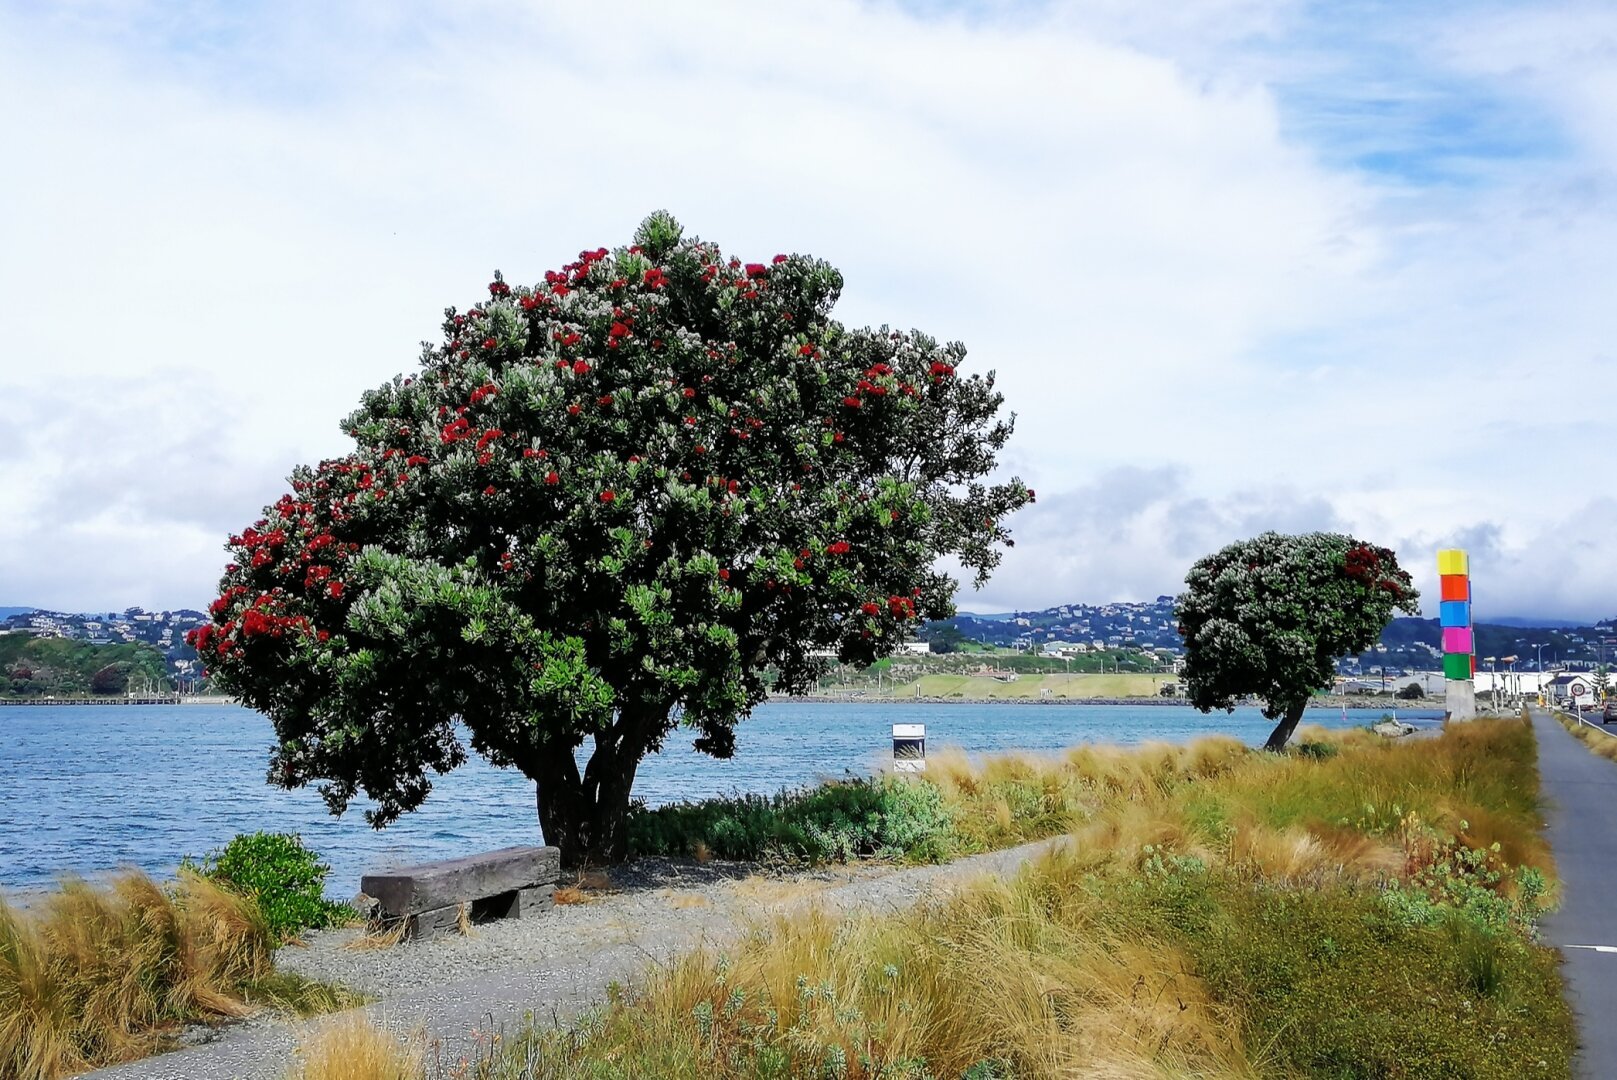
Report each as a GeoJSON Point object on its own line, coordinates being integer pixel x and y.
{"type": "Point", "coordinates": [8, 612]}
{"type": "Point", "coordinates": [36, 667]}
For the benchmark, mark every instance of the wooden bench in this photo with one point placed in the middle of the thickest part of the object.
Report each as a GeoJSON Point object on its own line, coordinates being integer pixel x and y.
{"type": "Point", "coordinates": [433, 898]}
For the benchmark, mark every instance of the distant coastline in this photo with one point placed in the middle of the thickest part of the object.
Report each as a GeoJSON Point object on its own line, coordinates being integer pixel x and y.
{"type": "Point", "coordinates": [143, 699]}
{"type": "Point", "coordinates": [1333, 703]}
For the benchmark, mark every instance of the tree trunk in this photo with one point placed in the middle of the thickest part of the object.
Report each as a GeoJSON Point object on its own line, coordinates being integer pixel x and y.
{"type": "Point", "coordinates": [1288, 724]}
{"type": "Point", "coordinates": [587, 816]}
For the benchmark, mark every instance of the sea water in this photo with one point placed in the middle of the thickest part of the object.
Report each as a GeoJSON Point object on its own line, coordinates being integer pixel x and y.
{"type": "Point", "coordinates": [91, 788]}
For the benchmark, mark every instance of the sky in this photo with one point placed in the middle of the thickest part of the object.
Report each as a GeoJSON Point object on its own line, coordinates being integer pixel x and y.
{"type": "Point", "coordinates": [1239, 264]}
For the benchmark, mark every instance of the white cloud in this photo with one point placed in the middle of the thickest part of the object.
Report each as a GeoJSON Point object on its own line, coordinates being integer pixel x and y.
{"type": "Point", "coordinates": [257, 214]}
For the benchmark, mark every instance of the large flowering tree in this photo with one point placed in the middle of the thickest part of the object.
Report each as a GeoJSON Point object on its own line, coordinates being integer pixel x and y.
{"type": "Point", "coordinates": [601, 510]}
{"type": "Point", "coordinates": [1269, 617]}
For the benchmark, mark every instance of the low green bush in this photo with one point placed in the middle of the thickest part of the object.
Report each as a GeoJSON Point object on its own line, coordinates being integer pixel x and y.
{"type": "Point", "coordinates": [834, 822]}
{"type": "Point", "coordinates": [283, 877]}
{"type": "Point", "coordinates": [1337, 983]}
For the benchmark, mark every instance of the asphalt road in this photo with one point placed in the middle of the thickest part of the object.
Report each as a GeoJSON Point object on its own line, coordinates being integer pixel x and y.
{"type": "Point", "coordinates": [1580, 794]}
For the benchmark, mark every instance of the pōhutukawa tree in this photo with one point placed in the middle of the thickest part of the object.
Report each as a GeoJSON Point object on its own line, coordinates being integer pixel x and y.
{"type": "Point", "coordinates": [1268, 617]}
{"type": "Point", "coordinates": [604, 508]}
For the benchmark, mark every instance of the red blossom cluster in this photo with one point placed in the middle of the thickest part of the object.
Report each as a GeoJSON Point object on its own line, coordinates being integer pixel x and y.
{"type": "Point", "coordinates": [1362, 563]}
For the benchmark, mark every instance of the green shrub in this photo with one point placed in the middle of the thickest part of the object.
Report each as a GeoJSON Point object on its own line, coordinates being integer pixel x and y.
{"type": "Point", "coordinates": [834, 822]}
{"type": "Point", "coordinates": [286, 879]}
{"type": "Point", "coordinates": [1334, 983]}
{"type": "Point", "coordinates": [1319, 751]}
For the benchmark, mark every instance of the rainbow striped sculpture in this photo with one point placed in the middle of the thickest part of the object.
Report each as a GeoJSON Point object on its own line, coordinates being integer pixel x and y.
{"type": "Point", "coordinates": [1459, 646]}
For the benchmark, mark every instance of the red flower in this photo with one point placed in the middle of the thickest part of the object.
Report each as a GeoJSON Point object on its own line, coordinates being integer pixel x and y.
{"type": "Point", "coordinates": [552, 477]}
{"type": "Point", "coordinates": [605, 400]}
{"type": "Point", "coordinates": [608, 495]}
{"type": "Point", "coordinates": [805, 350]}
{"type": "Point", "coordinates": [498, 288]}
{"type": "Point", "coordinates": [1030, 497]}
{"type": "Point", "coordinates": [690, 421]}
{"type": "Point", "coordinates": [560, 290]}
{"type": "Point", "coordinates": [618, 330]}
{"type": "Point", "coordinates": [489, 343]}
{"type": "Point", "coordinates": [870, 608]}
{"type": "Point", "coordinates": [756, 270]}
{"type": "Point", "coordinates": [489, 490]}
{"type": "Point", "coordinates": [529, 452]}
{"type": "Point", "coordinates": [581, 367]}
{"type": "Point", "coordinates": [689, 392]}
{"type": "Point", "coordinates": [724, 575]}
{"type": "Point", "coordinates": [838, 548]}
{"type": "Point", "coordinates": [779, 259]}
{"type": "Point", "coordinates": [701, 449]}
{"type": "Point", "coordinates": [323, 635]}
{"type": "Point", "coordinates": [335, 587]}
{"type": "Point", "coordinates": [939, 369]}
{"type": "Point", "coordinates": [837, 437]}
{"type": "Point", "coordinates": [574, 409]}
{"type": "Point", "coordinates": [851, 402]}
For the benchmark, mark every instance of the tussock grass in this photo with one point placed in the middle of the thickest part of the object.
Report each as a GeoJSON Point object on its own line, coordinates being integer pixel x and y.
{"type": "Point", "coordinates": [352, 1048]}
{"type": "Point", "coordinates": [99, 975]}
{"type": "Point", "coordinates": [1358, 911]}
{"type": "Point", "coordinates": [1221, 913]}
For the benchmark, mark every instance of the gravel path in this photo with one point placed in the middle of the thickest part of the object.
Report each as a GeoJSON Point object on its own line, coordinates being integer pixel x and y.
{"type": "Point", "coordinates": [558, 963]}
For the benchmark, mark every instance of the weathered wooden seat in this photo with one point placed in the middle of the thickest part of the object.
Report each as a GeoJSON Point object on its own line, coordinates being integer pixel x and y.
{"type": "Point", "coordinates": [431, 899]}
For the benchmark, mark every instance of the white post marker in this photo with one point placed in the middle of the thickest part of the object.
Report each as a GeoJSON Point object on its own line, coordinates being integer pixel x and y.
{"type": "Point", "coordinates": [909, 748]}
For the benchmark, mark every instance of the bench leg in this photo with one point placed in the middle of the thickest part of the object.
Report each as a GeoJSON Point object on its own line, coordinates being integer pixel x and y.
{"type": "Point", "coordinates": [531, 902]}
{"type": "Point", "coordinates": [434, 923]}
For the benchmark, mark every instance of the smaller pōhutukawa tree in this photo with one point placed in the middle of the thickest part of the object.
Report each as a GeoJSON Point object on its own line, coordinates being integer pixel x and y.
{"type": "Point", "coordinates": [1268, 617]}
{"type": "Point", "coordinates": [609, 504]}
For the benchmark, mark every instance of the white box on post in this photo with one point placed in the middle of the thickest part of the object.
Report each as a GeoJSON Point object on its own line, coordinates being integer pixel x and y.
{"type": "Point", "coordinates": [909, 748]}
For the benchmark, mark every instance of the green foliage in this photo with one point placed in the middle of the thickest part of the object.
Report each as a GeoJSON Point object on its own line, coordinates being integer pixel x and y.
{"type": "Point", "coordinates": [1268, 617]}
{"type": "Point", "coordinates": [834, 822]}
{"type": "Point", "coordinates": [284, 878]}
{"type": "Point", "coordinates": [1319, 751]}
{"type": "Point", "coordinates": [607, 505]}
{"type": "Point", "coordinates": [60, 667]}
{"type": "Point", "coordinates": [1412, 692]}
{"type": "Point", "coordinates": [1334, 982]}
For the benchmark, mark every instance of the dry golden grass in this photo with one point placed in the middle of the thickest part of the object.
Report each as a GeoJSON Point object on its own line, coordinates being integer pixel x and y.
{"type": "Point", "coordinates": [988, 976]}
{"type": "Point", "coordinates": [352, 1048]}
{"type": "Point", "coordinates": [380, 936]}
{"type": "Point", "coordinates": [1149, 946]}
{"type": "Point", "coordinates": [102, 975]}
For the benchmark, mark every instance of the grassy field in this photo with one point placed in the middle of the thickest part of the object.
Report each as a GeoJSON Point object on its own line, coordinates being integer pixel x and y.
{"type": "Point", "coordinates": [1357, 908]}
{"type": "Point", "coordinates": [1032, 686]}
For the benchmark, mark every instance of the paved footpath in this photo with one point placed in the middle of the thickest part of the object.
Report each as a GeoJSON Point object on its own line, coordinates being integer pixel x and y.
{"type": "Point", "coordinates": [1580, 795]}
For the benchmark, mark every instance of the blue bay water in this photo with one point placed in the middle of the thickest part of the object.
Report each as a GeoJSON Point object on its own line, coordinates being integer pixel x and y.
{"type": "Point", "coordinates": [85, 789]}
